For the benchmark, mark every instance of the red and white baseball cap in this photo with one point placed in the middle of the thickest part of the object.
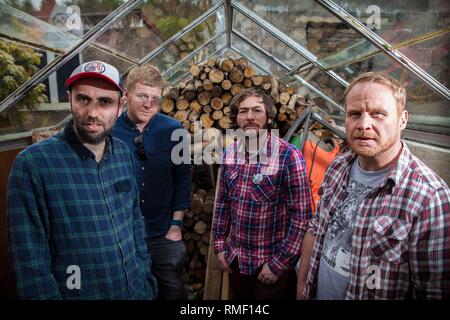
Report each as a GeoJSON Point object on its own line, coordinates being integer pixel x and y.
{"type": "Point", "coordinates": [95, 69]}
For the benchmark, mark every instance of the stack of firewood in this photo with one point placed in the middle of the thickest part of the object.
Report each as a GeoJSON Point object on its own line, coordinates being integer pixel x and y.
{"type": "Point", "coordinates": [202, 101]}
{"type": "Point", "coordinates": [196, 236]}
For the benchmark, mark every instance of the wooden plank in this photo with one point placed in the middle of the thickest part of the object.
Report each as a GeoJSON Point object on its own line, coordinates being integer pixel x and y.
{"type": "Point", "coordinates": [214, 273]}
{"type": "Point", "coordinates": [213, 279]}
{"type": "Point", "coordinates": [225, 292]}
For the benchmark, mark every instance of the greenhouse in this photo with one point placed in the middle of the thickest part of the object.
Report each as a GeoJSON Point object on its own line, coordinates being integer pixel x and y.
{"type": "Point", "coordinates": [302, 53]}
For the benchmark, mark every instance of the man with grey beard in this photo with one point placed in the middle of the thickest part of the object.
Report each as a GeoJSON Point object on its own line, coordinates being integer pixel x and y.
{"type": "Point", "coordinates": [75, 226]}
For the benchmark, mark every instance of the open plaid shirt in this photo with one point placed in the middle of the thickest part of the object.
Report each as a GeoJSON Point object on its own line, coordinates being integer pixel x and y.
{"type": "Point", "coordinates": [401, 236]}
{"type": "Point", "coordinates": [65, 209]}
{"type": "Point", "coordinates": [262, 209]}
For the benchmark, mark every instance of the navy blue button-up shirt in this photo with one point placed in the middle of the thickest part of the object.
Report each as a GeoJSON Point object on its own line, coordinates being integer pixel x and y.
{"type": "Point", "coordinates": [165, 187]}
{"type": "Point", "coordinates": [66, 210]}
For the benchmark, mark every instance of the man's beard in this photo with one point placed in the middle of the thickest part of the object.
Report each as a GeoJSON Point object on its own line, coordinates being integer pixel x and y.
{"type": "Point", "coordinates": [96, 138]}
{"type": "Point", "coordinates": [373, 151]}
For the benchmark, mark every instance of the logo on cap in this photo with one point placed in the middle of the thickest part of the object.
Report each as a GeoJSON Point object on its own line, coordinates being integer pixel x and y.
{"type": "Point", "coordinates": [95, 67]}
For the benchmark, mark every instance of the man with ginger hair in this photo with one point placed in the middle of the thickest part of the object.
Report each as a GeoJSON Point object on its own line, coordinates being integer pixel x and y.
{"type": "Point", "coordinates": [165, 187]}
{"type": "Point", "coordinates": [383, 222]}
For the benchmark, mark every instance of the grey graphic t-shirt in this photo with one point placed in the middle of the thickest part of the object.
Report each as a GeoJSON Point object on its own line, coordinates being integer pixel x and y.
{"type": "Point", "coordinates": [334, 267]}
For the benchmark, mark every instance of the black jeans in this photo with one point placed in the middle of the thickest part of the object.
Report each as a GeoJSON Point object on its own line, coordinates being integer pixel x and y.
{"type": "Point", "coordinates": [249, 287]}
{"type": "Point", "coordinates": [168, 258]}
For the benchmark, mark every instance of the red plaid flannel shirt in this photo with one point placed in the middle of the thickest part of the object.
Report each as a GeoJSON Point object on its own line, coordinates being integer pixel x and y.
{"type": "Point", "coordinates": [401, 236]}
{"type": "Point", "coordinates": [262, 221]}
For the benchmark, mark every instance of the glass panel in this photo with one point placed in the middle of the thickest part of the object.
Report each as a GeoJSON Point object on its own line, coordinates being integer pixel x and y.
{"type": "Point", "coordinates": [73, 16]}
{"type": "Point", "coordinates": [30, 115]}
{"type": "Point", "coordinates": [355, 52]}
{"type": "Point", "coordinates": [47, 104]}
{"type": "Point", "coordinates": [255, 33]}
{"type": "Point", "coordinates": [155, 21]}
{"type": "Point", "coordinates": [427, 110]}
{"type": "Point", "coordinates": [307, 23]}
{"type": "Point", "coordinates": [176, 73]}
{"type": "Point", "coordinates": [95, 52]}
{"type": "Point", "coordinates": [433, 56]}
{"type": "Point", "coordinates": [390, 20]}
{"type": "Point", "coordinates": [25, 28]}
{"type": "Point", "coordinates": [18, 64]}
{"type": "Point", "coordinates": [189, 42]}
{"type": "Point", "coordinates": [321, 80]}
{"type": "Point", "coordinates": [258, 59]}
{"type": "Point", "coordinates": [327, 108]}
{"type": "Point", "coordinates": [48, 28]}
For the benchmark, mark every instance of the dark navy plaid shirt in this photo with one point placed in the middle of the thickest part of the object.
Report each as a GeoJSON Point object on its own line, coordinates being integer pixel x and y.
{"type": "Point", "coordinates": [66, 209]}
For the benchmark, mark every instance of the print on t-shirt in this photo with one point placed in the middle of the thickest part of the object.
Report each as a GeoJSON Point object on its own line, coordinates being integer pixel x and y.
{"type": "Point", "coordinates": [338, 240]}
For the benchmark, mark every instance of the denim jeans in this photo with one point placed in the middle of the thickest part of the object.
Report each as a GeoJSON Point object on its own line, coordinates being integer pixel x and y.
{"type": "Point", "coordinates": [168, 258]}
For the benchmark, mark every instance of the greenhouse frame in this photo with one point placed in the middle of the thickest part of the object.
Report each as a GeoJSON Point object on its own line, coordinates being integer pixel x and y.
{"type": "Point", "coordinates": [315, 46]}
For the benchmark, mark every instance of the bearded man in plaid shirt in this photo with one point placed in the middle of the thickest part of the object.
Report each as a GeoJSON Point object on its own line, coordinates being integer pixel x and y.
{"type": "Point", "coordinates": [74, 223]}
{"type": "Point", "coordinates": [263, 204]}
{"type": "Point", "coordinates": [382, 228]}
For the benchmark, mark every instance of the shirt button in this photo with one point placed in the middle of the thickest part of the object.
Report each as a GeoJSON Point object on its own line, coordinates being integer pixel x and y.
{"type": "Point", "coordinates": [143, 184]}
{"type": "Point", "coordinates": [143, 168]}
{"type": "Point", "coordinates": [142, 201]}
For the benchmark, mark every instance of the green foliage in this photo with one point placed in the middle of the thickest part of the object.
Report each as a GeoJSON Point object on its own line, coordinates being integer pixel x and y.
{"type": "Point", "coordinates": [17, 65]}
{"type": "Point", "coordinates": [168, 25]}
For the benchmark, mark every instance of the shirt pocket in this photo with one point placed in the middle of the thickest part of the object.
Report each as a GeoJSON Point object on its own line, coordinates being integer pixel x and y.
{"type": "Point", "coordinates": [390, 239]}
{"type": "Point", "coordinates": [264, 191]}
{"type": "Point", "coordinates": [230, 176]}
{"type": "Point", "coordinates": [122, 205]}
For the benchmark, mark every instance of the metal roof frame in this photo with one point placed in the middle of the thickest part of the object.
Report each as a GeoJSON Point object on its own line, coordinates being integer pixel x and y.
{"type": "Point", "coordinates": [286, 68]}
{"type": "Point", "coordinates": [284, 38]}
{"type": "Point", "coordinates": [229, 6]}
{"type": "Point", "coordinates": [87, 39]}
{"type": "Point", "coordinates": [191, 55]}
{"type": "Point", "coordinates": [202, 18]}
{"type": "Point", "coordinates": [385, 47]}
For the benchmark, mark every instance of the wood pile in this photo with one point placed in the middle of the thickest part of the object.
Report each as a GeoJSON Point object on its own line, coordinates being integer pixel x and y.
{"type": "Point", "coordinates": [202, 101]}
{"type": "Point", "coordinates": [196, 236]}
{"type": "Point", "coordinates": [167, 17]}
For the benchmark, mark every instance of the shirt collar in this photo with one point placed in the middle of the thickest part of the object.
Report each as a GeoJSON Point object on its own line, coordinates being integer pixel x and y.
{"type": "Point", "coordinates": [402, 165]}
{"type": "Point", "coordinates": [237, 154]}
{"type": "Point", "coordinates": [397, 172]}
{"type": "Point", "coordinates": [132, 125]}
{"type": "Point", "coordinates": [83, 152]}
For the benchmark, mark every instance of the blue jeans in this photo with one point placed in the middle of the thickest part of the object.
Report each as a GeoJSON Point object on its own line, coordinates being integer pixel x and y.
{"type": "Point", "coordinates": [168, 258]}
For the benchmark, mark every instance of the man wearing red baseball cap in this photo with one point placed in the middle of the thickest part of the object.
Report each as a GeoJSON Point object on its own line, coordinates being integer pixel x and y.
{"type": "Point", "coordinates": [96, 69]}
{"type": "Point", "coordinates": [74, 221]}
